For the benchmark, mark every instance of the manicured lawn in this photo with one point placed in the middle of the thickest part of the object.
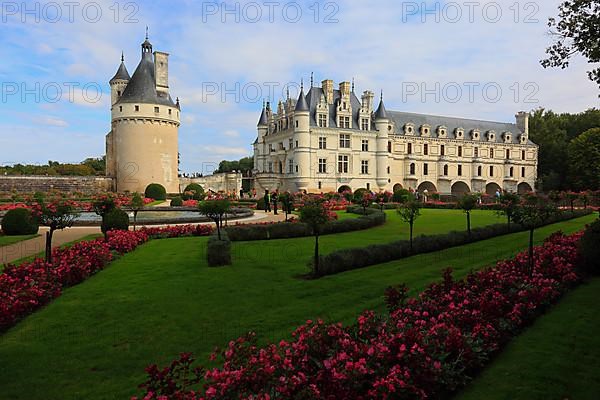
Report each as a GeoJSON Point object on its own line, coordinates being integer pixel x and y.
{"type": "Point", "coordinates": [556, 358]}
{"type": "Point", "coordinates": [6, 240]}
{"type": "Point", "coordinates": [95, 340]}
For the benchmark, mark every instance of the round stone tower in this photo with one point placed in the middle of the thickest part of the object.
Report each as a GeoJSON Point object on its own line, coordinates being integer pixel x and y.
{"type": "Point", "coordinates": [142, 146]}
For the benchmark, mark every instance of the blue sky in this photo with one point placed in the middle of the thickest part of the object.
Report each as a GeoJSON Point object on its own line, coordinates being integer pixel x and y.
{"type": "Point", "coordinates": [446, 58]}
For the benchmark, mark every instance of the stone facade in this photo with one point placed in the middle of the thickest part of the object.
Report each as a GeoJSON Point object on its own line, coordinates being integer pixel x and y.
{"type": "Point", "coordinates": [331, 140]}
{"type": "Point", "coordinates": [230, 182]}
{"type": "Point", "coordinates": [142, 146]}
{"type": "Point", "coordinates": [30, 184]}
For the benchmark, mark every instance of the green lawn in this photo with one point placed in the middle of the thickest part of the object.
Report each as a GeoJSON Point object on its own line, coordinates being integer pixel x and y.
{"type": "Point", "coordinates": [6, 240]}
{"type": "Point", "coordinates": [96, 339]}
{"type": "Point", "coordinates": [556, 358]}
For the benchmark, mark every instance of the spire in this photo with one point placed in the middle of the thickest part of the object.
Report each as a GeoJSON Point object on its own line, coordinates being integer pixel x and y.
{"type": "Point", "coordinates": [177, 103]}
{"type": "Point", "coordinates": [381, 113]}
{"type": "Point", "coordinates": [301, 104]}
{"type": "Point", "coordinates": [146, 32]}
{"type": "Point", "coordinates": [352, 85]}
{"type": "Point", "coordinates": [262, 121]}
{"type": "Point", "coordinates": [146, 46]}
{"type": "Point", "coordinates": [311, 80]}
{"type": "Point", "coordinates": [122, 73]}
{"type": "Point", "coordinates": [122, 56]}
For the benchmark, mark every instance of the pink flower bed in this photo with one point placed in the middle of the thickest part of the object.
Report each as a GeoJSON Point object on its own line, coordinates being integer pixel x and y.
{"type": "Point", "coordinates": [29, 286]}
{"type": "Point", "coordinates": [425, 348]}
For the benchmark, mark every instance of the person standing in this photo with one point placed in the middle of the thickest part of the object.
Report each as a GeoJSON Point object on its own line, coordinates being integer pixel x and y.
{"type": "Point", "coordinates": [274, 199]}
{"type": "Point", "coordinates": [267, 201]}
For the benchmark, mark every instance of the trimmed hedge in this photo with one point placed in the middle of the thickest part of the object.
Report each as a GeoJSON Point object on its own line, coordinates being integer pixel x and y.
{"type": "Point", "coordinates": [198, 192]}
{"type": "Point", "coordinates": [156, 191]}
{"type": "Point", "coordinates": [176, 202]}
{"type": "Point", "coordinates": [218, 252]}
{"type": "Point", "coordinates": [590, 249]}
{"type": "Point", "coordinates": [360, 257]}
{"type": "Point", "coordinates": [19, 221]}
{"type": "Point", "coordinates": [287, 230]}
{"type": "Point", "coordinates": [115, 220]}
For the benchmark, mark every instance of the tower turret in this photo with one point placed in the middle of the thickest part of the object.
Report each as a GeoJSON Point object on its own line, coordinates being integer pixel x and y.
{"type": "Point", "coordinates": [382, 125]}
{"type": "Point", "coordinates": [119, 82]}
{"type": "Point", "coordinates": [302, 138]}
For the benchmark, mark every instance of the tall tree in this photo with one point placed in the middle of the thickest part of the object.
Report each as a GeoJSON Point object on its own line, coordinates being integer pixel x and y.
{"type": "Point", "coordinates": [577, 31]}
{"type": "Point", "coordinates": [584, 160]}
{"type": "Point", "coordinates": [409, 211]}
{"type": "Point", "coordinates": [314, 214]}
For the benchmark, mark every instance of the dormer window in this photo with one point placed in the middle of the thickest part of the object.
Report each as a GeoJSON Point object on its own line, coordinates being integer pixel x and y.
{"type": "Point", "coordinates": [522, 139]}
{"type": "Point", "coordinates": [442, 131]}
{"type": "Point", "coordinates": [491, 135]}
{"type": "Point", "coordinates": [460, 133]}
{"type": "Point", "coordinates": [344, 122]}
{"type": "Point", "coordinates": [475, 134]}
{"type": "Point", "coordinates": [425, 130]}
{"type": "Point", "coordinates": [364, 124]}
{"type": "Point", "coordinates": [507, 137]}
{"type": "Point", "coordinates": [409, 129]}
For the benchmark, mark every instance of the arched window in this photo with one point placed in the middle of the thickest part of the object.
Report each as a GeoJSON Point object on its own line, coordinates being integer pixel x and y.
{"type": "Point", "coordinates": [412, 168]}
{"type": "Point", "coordinates": [445, 170]}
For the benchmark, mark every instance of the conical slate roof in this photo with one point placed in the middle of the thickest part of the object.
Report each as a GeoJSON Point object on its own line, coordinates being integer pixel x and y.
{"type": "Point", "coordinates": [262, 121]}
{"type": "Point", "coordinates": [122, 73]}
{"type": "Point", "coordinates": [381, 113]}
{"type": "Point", "coordinates": [301, 104]}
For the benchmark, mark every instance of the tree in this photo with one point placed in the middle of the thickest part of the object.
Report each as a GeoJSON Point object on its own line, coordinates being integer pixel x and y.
{"type": "Point", "coordinates": [577, 30]}
{"type": "Point", "coordinates": [215, 210]}
{"type": "Point", "coordinates": [137, 204]}
{"type": "Point", "coordinates": [533, 211]}
{"type": "Point", "coordinates": [55, 213]}
{"type": "Point", "coordinates": [509, 203]}
{"type": "Point", "coordinates": [584, 160]}
{"type": "Point", "coordinates": [103, 205]}
{"type": "Point", "coordinates": [409, 211]}
{"type": "Point", "coordinates": [314, 214]}
{"type": "Point", "coordinates": [467, 203]}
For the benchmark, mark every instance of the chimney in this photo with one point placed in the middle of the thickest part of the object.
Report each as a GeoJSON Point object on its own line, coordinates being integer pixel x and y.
{"type": "Point", "coordinates": [367, 100]}
{"type": "Point", "coordinates": [327, 86]}
{"type": "Point", "coordinates": [522, 118]}
{"type": "Point", "coordinates": [161, 71]}
{"type": "Point", "coordinates": [345, 88]}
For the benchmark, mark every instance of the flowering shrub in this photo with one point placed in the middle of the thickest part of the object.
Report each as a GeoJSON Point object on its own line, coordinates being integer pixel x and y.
{"type": "Point", "coordinates": [29, 286]}
{"type": "Point", "coordinates": [425, 348]}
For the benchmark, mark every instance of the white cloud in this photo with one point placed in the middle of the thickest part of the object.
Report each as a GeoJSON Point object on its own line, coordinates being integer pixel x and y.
{"type": "Point", "coordinates": [50, 121]}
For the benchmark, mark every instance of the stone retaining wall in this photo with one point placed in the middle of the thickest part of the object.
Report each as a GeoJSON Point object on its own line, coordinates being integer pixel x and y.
{"type": "Point", "coordinates": [27, 184]}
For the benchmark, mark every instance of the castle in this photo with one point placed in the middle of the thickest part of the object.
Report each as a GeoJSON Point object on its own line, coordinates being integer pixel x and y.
{"type": "Point", "coordinates": [142, 146]}
{"type": "Point", "coordinates": [330, 140]}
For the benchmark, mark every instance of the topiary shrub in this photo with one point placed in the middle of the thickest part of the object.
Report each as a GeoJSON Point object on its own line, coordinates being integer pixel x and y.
{"type": "Point", "coordinates": [400, 196]}
{"type": "Point", "coordinates": [156, 191]}
{"type": "Point", "coordinates": [115, 219]}
{"type": "Point", "coordinates": [193, 191]}
{"type": "Point", "coordinates": [590, 249]}
{"type": "Point", "coordinates": [176, 202]}
{"type": "Point", "coordinates": [218, 251]}
{"type": "Point", "coordinates": [19, 221]}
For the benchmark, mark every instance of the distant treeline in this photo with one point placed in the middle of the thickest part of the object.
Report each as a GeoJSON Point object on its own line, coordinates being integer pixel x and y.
{"type": "Point", "coordinates": [89, 166]}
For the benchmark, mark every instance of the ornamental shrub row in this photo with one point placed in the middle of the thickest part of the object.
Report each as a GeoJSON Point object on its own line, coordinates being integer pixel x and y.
{"type": "Point", "coordinates": [286, 230]}
{"type": "Point", "coordinates": [424, 348]}
{"type": "Point", "coordinates": [360, 257]}
{"type": "Point", "coordinates": [19, 221]}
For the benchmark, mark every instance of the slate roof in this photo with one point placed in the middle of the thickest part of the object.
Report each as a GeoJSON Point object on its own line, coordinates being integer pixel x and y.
{"type": "Point", "coordinates": [301, 104]}
{"type": "Point", "coordinates": [122, 73]}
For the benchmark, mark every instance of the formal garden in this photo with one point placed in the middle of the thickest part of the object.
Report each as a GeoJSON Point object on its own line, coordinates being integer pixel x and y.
{"type": "Point", "coordinates": [355, 295]}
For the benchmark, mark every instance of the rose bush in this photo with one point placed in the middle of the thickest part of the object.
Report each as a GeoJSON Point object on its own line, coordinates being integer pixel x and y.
{"type": "Point", "coordinates": [426, 347]}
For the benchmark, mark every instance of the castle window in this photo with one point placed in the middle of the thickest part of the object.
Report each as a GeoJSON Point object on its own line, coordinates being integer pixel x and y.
{"type": "Point", "coordinates": [364, 124]}
{"type": "Point", "coordinates": [170, 111]}
{"type": "Point", "coordinates": [344, 105]}
{"type": "Point", "coordinates": [365, 145]}
{"type": "Point", "coordinates": [409, 148]}
{"type": "Point", "coordinates": [344, 141]}
{"type": "Point", "coordinates": [296, 123]}
{"type": "Point", "coordinates": [425, 169]}
{"type": "Point", "coordinates": [425, 149]}
{"type": "Point", "coordinates": [156, 109]}
{"type": "Point", "coordinates": [479, 170]}
{"type": "Point", "coordinates": [291, 166]}
{"type": "Point", "coordinates": [344, 122]}
{"type": "Point", "coordinates": [119, 93]}
{"type": "Point", "coordinates": [491, 153]}
{"type": "Point", "coordinates": [322, 120]}
{"type": "Point", "coordinates": [442, 150]}
{"type": "Point", "coordinates": [322, 142]}
{"type": "Point", "coordinates": [460, 151]}
{"type": "Point", "coordinates": [476, 152]}
{"type": "Point", "coordinates": [368, 186]}
{"type": "Point", "coordinates": [137, 108]}
{"type": "Point", "coordinates": [511, 172]}
{"type": "Point", "coordinates": [296, 167]}
{"type": "Point", "coordinates": [491, 171]}
{"type": "Point", "coordinates": [388, 169]}
{"type": "Point", "coordinates": [270, 166]}
{"type": "Point", "coordinates": [296, 143]}
{"type": "Point", "coordinates": [319, 184]}
{"type": "Point", "coordinates": [445, 170]}
{"type": "Point", "coordinates": [389, 147]}
{"type": "Point", "coordinates": [412, 168]}
{"type": "Point", "coordinates": [507, 154]}
{"type": "Point", "coordinates": [522, 172]}
{"type": "Point", "coordinates": [459, 170]}
{"type": "Point", "coordinates": [522, 154]}
{"type": "Point", "coordinates": [322, 165]}
{"type": "Point", "coordinates": [290, 144]}
{"type": "Point", "coordinates": [364, 167]}
{"type": "Point", "coordinates": [270, 147]}
{"type": "Point", "coordinates": [120, 108]}
{"type": "Point", "coordinates": [343, 164]}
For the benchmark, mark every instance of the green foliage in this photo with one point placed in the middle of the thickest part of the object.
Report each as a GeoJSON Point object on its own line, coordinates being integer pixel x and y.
{"type": "Point", "coordinates": [176, 202]}
{"type": "Point", "coordinates": [137, 202]}
{"type": "Point", "coordinates": [215, 210]}
{"type": "Point", "coordinates": [509, 203]}
{"type": "Point", "coordinates": [576, 32]}
{"type": "Point", "coordinates": [116, 219]}
{"type": "Point", "coordinates": [90, 166]}
{"type": "Point", "coordinates": [193, 191]}
{"type": "Point", "coordinates": [314, 214]}
{"type": "Point", "coordinates": [358, 195]}
{"type": "Point", "coordinates": [590, 249]}
{"type": "Point", "coordinates": [218, 250]}
{"type": "Point", "coordinates": [533, 211]}
{"type": "Point", "coordinates": [243, 165]}
{"type": "Point", "coordinates": [400, 196]}
{"type": "Point", "coordinates": [584, 160]}
{"type": "Point", "coordinates": [103, 205]}
{"type": "Point", "coordinates": [19, 221]}
{"type": "Point", "coordinates": [409, 211]}
{"type": "Point", "coordinates": [468, 202]}
{"type": "Point", "coordinates": [156, 191]}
